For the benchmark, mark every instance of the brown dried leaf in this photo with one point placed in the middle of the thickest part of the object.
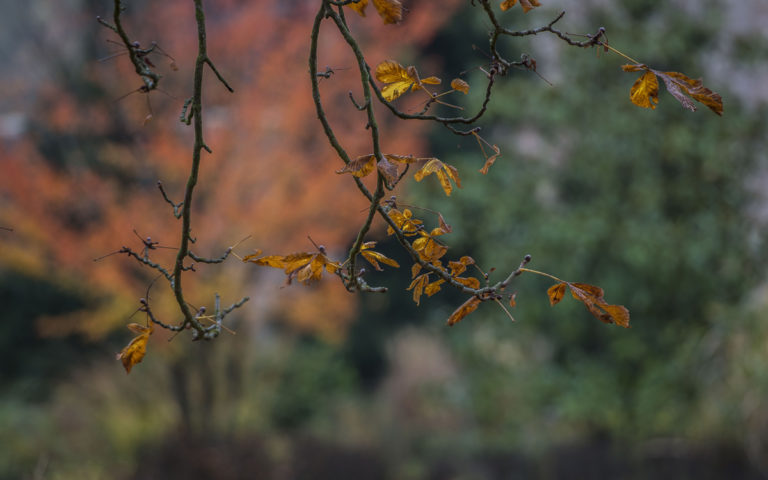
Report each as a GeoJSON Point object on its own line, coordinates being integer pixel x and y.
{"type": "Point", "coordinates": [470, 282]}
{"type": "Point", "coordinates": [415, 269]}
{"type": "Point", "coordinates": [592, 298]}
{"type": "Point", "coordinates": [556, 293]}
{"type": "Point", "coordinates": [387, 170]}
{"type": "Point", "coordinates": [460, 85]}
{"type": "Point", "coordinates": [465, 309]}
{"type": "Point", "coordinates": [360, 167]}
{"type": "Point", "coordinates": [677, 83]}
{"type": "Point", "coordinates": [375, 257]}
{"type": "Point", "coordinates": [490, 160]}
{"type": "Point", "coordinates": [433, 287]}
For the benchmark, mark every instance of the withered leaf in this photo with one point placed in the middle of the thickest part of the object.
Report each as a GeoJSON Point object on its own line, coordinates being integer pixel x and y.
{"type": "Point", "coordinates": [360, 167]}
{"type": "Point", "coordinates": [460, 85]}
{"type": "Point", "coordinates": [387, 170]}
{"type": "Point", "coordinates": [134, 352]}
{"type": "Point", "coordinates": [644, 92]}
{"type": "Point", "coordinates": [556, 293]}
{"type": "Point", "coordinates": [464, 309]}
{"type": "Point", "coordinates": [470, 282]}
{"type": "Point", "coordinates": [526, 4]}
{"type": "Point", "coordinates": [592, 298]}
{"type": "Point", "coordinates": [490, 160]}
{"type": "Point", "coordinates": [391, 11]}
{"type": "Point", "coordinates": [445, 173]}
{"type": "Point", "coordinates": [415, 269]}
{"type": "Point", "coordinates": [433, 287]}
{"type": "Point", "coordinates": [404, 221]}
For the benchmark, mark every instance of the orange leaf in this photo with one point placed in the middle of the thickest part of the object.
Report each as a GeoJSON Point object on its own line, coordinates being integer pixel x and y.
{"type": "Point", "coordinates": [490, 160]}
{"type": "Point", "coordinates": [360, 167]}
{"type": "Point", "coordinates": [134, 352]}
{"type": "Point", "coordinates": [433, 287]}
{"type": "Point", "coordinates": [592, 298]}
{"type": "Point", "coordinates": [512, 302]}
{"type": "Point", "coordinates": [404, 222]}
{"type": "Point", "coordinates": [415, 269]}
{"type": "Point", "coordinates": [470, 282]}
{"type": "Point", "coordinates": [465, 309]}
{"type": "Point", "coordinates": [417, 285]}
{"type": "Point", "coordinates": [526, 4]}
{"type": "Point", "coordinates": [460, 85]}
{"type": "Point", "coordinates": [443, 171]}
{"type": "Point", "coordinates": [556, 293]}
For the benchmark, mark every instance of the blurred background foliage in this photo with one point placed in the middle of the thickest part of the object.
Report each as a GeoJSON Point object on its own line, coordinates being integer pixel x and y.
{"type": "Point", "coordinates": [665, 209]}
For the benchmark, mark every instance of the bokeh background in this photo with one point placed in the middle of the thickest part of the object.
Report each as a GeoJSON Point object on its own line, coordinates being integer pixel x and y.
{"type": "Point", "coordinates": [665, 209]}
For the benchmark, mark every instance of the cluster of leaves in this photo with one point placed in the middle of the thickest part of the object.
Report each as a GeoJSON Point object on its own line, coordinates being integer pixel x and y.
{"type": "Point", "coordinates": [429, 272]}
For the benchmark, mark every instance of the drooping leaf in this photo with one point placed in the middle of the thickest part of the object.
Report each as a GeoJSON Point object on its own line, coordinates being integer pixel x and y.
{"type": "Point", "coordinates": [675, 82]}
{"type": "Point", "coordinates": [417, 285]}
{"type": "Point", "coordinates": [375, 257]}
{"type": "Point", "coordinates": [526, 4]}
{"type": "Point", "coordinates": [134, 352]}
{"type": "Point", "coordinates": [592, 298]}
{"type": "Point", "coordinates": [464, 309]}
{"type": "Point", "coordinates": [304, 266]}
{"type": "Point", "coordinates": [387, 170]}
{"type": "Point", "coordinates": [359, 7]}
{"type": "Point", "coordinates": [391, 11]}
{"type": "Point", "coordinates": [399, 80]}
{"type": "Point", "coordinates": [415, 269]}
{"type": "Point", "coordinates": [443, 225]}
{"type": "Point", "coordinates": [360, 167]}
{"type": "Point", "coordinates": [490, 160]}
{"type": "Point", "coordinates": [470, 282]}
{"type": "Point", "coordinates": [460, 85]}
{"type": "Point", "coordinates": [556, 293]}
{"type": "Point", "coordinates": [512, 301]}
{"type": "Point", "coordinates": [644, 92]}
{"type": "Point", "coordinates": [445, 173]}
{"type": "Point", "coordinates": [433, 287]}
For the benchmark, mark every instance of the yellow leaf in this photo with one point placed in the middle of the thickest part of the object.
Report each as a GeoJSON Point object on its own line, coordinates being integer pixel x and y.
{"type": "Point", "coordinates": [431, 81]}
{"type": "Point", "coordinates": [460, 85]}
{"type": "Point", "coordinates": [415, 269]}
{"type": "Point", "coordinates": [526, 4]}
{"type": "Point", "coordinates": [360, 167]}
{"type": "Point", "coordinates": [404, 222]}
{"type": "Point", "coordinates": [645, 91]}
{"type": "Point", "coordinates": [391, 11]}
{"type": "Point", "coordinates": [443, 171]}
{"type": "Point", "coordinates": [556, 293]}
{"type": "Point", "coordinates": [398, 79]}
{"type": "Point", "coordinates": [417, 285]}
{"type": "Point", "coordinates": [375, 257]}
{"type": "Point", "coordinates": [359, 7]}
{"type": "Point", "coordinates": [465, 309]}
{"type": "Point", "coordinates": [275, 261]}
{"type": "Point", "coordinates": [433, 287]}
{"type": "Point", "coordinates": [678, 85]}
{"type": "Point", "coordinates": [404, 158]}
{"type": "Point", "coordinates": [134, 352]}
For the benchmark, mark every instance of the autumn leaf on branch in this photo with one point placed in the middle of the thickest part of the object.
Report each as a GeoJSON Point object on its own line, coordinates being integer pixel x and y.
{"type": "Point", "coordinates": [429, 249]}
{"type": "Point", "coordinates": [526, 4]}
{"type": "Point", "coordinates": [134, 352]}
{"type": "Point", "coordinates": [375, 257]}
{"type": "Point", "coordinates": [592, 298]}
{"type": "Point", "coordinates": [304, 266]}
{"type": "Point", "coordinates": [464, 309]}
{"type": "Point", "coordinates": [360, 167]}
{"type": "Point", "coordinates": [405, 222]}
{"type": "Point", "coordinates": [391, 11]}
{"type": "Point", "coordinates": [645, 91]}
{"type": "Point", "coordinates": [460, 85]}
{"type": "Point", "coordinates": [399, 80]}
{"type": "Point", "coordinates": [445, 173]}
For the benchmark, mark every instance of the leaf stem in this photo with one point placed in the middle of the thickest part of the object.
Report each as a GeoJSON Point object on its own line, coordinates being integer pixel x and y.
{"type": "Point", "coordinates": [543, 274]}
